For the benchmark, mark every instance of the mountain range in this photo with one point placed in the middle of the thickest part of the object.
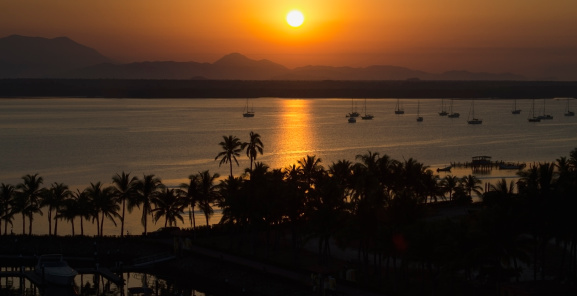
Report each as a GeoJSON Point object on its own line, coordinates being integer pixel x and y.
{"type": "Point", "coordinates": [37, 57]}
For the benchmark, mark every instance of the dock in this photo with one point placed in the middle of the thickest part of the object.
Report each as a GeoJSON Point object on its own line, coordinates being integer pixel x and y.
{"type": "Point", "coordinates": [39, 282]}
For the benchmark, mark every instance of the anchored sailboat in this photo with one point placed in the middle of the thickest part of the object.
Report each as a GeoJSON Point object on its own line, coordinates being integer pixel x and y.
{"type": "Point", "coordinates": [453, 114]}
{"type": "Point", "coordinates": [533, 118]}
{"type": "Point", "coordinates": [353, 113]}
{"type": "Point", "coordinates": [473, 119]}
{"type": "Point", "coordinates": [419, 117]}
{"type": "Point", "coordinates": [545, 116]}
{"type": "Point", "coordinates": [569, 112]}
{"type": "Point", "coordinates": [367, 116]}
{"type": "Point", "coordinates": [443, 111]}
{"type": "Point", "coordinates": [398, 109]}
{"type": "Point", "coordinates": [515, 110]}
{"type": "Point", "coordinates": [248, 113]}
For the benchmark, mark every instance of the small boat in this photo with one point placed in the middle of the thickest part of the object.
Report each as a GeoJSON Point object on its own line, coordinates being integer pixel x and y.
{"type": "Point", "coordinates": [453, 114]}
{"type": "Point", "coordinates": [515, 110]}
{"type": "Point", "coordinates": [419, 117]}
{"type": "Point", "coordinates": [569, 112]}
{"type": "Point", "coordinates": [367, 116]}
{"type": "Point", "coordinates": [443, 111]}
{"type": "Point", "coordinates": [248, 113]}
{"type": "Point", "coordinates": [53, 269]}
{"type": "Point", "coordinates": [473, 119]}
{"type": "Point", "coordinates": [533, 118]}
{"type": "Point", "coordinates": [445, 169]}
{"type": "Point", "coordinates": [352, 119]}
{"type": "Point", "coordinates": [353, 113]}
{"type": "Point", "coordinates": [398, 109]}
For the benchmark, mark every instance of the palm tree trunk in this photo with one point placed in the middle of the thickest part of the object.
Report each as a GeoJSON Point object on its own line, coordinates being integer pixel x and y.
{"type": "Point", "coordinates": [102, 225]}
{"type": "Point", "coordinates": [50, 222]}
{"type": "Point", "coordinates": [30, 224]}
{"type": "Point", "coordinates": [72, 222]}
{"type": "Point", "coordinates": [122, 219]}
{"type": "Point", "coordinates": [81, 226]}
{"type": "Point", "coordinates": [23, 223]}
{"type": "Point", "coordinates": [56, 226]}
{"type": "Point", "coordinates": [230, 169]}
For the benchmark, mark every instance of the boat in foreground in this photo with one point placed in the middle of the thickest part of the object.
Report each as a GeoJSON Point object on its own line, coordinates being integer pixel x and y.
{"type": "Point", "coordinates": [53, 269]}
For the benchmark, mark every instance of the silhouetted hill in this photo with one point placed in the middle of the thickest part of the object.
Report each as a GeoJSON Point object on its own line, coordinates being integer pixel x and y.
{"type": "Point", "coordinates": [237, 66]}
{"type": "Point", "coordinates": [27, 57]}
{"type": "Point", "coordinates": [35, 57]}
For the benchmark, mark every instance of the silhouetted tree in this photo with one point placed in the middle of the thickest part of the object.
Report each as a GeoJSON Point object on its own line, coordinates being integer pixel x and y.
{"type": "Point", "coordinates": [231, 147]}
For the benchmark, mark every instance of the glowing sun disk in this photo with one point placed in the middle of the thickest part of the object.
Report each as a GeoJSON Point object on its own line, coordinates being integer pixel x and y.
{"type": "Point", "coordinates": [295, 18]}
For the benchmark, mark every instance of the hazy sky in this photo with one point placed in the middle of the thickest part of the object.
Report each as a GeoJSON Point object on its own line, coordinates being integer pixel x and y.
{"type": "Point", "coordinates": [521, 36]}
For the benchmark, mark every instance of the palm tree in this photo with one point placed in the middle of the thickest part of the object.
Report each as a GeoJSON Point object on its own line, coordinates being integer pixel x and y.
{"type": "Point", "coordinates": [104, 204]}
{"type": "Point", "coordinates": [253, 147]}
{"type": "Point", "coordinates": [168, 204]}
{"type": "Point", "coordinates": [7, 194]}
{"type": "Point", "coordinates": [207, 193]}
{"type": "Point", "coordinates": [28, 198]}
{"type": "Point", "coordinates": [450, 183]}
{"type": "Point", "coordinates": [471, 184]}
{"type": "Point", "coordinates": [69, 210]}
{"type": "Point", "coordinates": [231, 147]}
{"type": "Point", "coordinates": [146, 190]}
{"type": "Point", "coordinates": [190, 191]}
{"type": "Point", "coordinates": [124, 188]}
{"type": "Point", "coordinates": [84, 207]}
{"type": "Point", "coordinates": [53, 198]}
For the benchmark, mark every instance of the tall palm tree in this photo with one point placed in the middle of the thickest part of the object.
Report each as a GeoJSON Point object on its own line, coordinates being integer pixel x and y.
{"type": "Point", "coordinates": [189, 190]}
{"type": "Point", "coordinates": [53, 198]}
{"type": "Point", "coordinates": [124, 188]}
{"type": "Point", "coordinates": [169, 204]}
{"type": "Point", "coordinates": [29, 193]}
{"type": "Point", "coordinates": [69, 210]}
{"type": "Point", "coordinates": [84, 207]}
{"type": "Point", "coordinates": [253, 147]}
{"type": "Point", "coordinates": [207, 193]}
{"type": "Point", "coordinates": [7, 193]}
{"type": "Point", "coordinates": [231, 147]}
{"type": "Point", "coordinates": [146, 190]}
{"type": "Point", "coordinates": [104, 203]}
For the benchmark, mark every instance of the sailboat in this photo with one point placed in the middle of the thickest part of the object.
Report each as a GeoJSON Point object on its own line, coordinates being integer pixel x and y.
{"type": "Point", "coordinates": [473, 120]}
{"type": "Point", "coordinates": [545, 116]}
{"type": "Point", "coordinates": [453, 114]}
{"type": "Point", "coordinates": [367, 116]}
{"type": "Point", "coordinates": [534, 118]}
{"type": "Point", "coordinates": [398, 109]}
{"type": "Point", "coordinates": [515, 110]}
{"type": "Point", "coordinates": [353, 112]}
{"type": "Point", "coordinates": [419, 117]}
{"type": "Point", "coordinates": [248, 113]}
{"type": "Point", "coordinates": [443, 111]}
{"type": "Point", "coordinates": [569, 112]}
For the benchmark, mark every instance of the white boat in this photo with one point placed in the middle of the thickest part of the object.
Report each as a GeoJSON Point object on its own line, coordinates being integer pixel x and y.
{"type": "Point", "coordinates": [367, 116]}
{"type": "Point", "coordinates": [53, 269]}
{"type": "Point", "coordinates": [398, 109]}
{"type": "Point", "coordinates": [248, 113]}
{"type": "Point", "coordinates": [472, 119]}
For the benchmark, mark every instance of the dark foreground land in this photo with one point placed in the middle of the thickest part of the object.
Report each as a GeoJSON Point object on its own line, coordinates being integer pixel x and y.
{"type": "Point", "coordinates": [284, 89]}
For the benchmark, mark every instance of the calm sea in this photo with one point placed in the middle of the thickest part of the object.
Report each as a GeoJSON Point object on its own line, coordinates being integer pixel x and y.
{"type": "Point", "coordinates": [79, 141]}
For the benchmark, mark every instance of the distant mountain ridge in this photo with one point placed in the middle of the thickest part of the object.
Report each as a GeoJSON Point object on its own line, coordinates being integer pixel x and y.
{"type": "Point", "coordinates": [36, 57]}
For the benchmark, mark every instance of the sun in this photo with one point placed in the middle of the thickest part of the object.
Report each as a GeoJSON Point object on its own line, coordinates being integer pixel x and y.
{"type": "Point", "coordinates": [295, 18]}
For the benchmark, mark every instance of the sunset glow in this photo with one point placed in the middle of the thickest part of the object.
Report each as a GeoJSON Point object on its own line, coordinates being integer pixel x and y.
{"type": "Point", "coordinates": [476, 35]}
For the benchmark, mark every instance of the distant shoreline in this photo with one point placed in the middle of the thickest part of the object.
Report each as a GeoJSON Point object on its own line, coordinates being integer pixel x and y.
{"type": "Point", "coordinates": [111, 88]}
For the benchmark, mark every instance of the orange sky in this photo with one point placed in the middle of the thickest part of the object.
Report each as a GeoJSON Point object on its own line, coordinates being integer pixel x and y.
{"type": "Point", "coordinates": [479, 35]}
